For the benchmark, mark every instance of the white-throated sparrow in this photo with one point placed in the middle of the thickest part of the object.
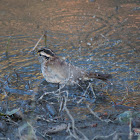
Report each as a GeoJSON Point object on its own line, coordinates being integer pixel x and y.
{"type": "Point", "coordinates": [56, 70]}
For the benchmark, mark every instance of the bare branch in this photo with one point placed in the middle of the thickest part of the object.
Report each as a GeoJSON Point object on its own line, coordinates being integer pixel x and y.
{"type": "Point", "coordinates": [93, 113]}
{"type": "Point", "coordinates": [104, 137]}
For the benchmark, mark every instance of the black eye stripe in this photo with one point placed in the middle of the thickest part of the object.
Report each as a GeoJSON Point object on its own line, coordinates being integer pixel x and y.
{"type": "Point", "coordinates": [47, 57]}
{"type": "Point", "coordinates": [44, 56]}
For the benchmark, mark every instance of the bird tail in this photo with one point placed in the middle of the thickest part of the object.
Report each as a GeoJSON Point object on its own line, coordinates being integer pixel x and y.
{"type": "Point", "coordinates": [100, 76]}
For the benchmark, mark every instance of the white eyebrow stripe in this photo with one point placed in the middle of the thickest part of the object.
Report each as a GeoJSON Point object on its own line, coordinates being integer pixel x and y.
{"type": "Point", "coordinates": [43, 53]}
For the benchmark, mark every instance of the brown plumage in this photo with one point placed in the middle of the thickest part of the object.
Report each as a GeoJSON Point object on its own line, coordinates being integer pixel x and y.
{"type": "Point", "coordinates": [56, 70]}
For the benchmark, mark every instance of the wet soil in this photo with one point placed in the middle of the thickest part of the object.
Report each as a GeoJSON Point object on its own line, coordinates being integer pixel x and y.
{"type": "Point", "coordinates": [94, 35]}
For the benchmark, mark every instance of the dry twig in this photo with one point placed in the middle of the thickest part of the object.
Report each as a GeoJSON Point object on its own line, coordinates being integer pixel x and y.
{"type": "Point", "coordinates": [93, 113]}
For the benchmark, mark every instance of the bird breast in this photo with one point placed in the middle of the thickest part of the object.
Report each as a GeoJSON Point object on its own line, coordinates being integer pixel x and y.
{"type": "Point", "coordinates": [59, 71]}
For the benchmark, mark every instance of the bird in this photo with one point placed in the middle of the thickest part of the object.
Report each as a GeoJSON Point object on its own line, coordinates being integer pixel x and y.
{"type": "Point", "coordinates": [57, 70]}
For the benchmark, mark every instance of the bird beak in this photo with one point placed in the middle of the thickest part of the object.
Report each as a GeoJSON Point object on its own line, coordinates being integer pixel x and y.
{"type": "Point", "coordinates": [38, 52]}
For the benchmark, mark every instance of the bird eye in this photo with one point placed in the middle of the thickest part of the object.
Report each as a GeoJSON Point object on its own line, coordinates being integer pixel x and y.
{"type": "Point", "coordinates": [47, 57]}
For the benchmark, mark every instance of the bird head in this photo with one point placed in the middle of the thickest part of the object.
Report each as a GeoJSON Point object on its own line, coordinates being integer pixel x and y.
{"type": "Point", "coordinates": [46, 53]}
